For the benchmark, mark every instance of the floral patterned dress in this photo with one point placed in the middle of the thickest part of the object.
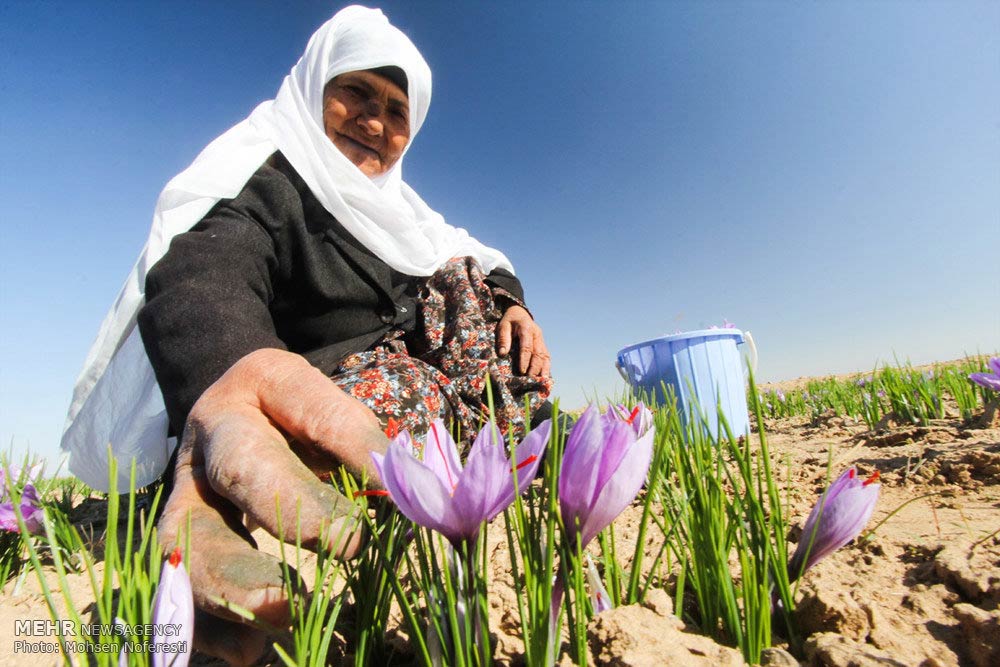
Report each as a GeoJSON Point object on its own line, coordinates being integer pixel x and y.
{"type": "Point", "coordinates": [443, 371]}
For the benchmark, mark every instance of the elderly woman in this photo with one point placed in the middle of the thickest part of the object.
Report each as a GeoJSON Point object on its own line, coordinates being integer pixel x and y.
{"type": "Point", "coordinates": [298, 255]}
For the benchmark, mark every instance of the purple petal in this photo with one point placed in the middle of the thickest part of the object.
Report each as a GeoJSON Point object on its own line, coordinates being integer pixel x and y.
{"type": "Point", "coordinates": [8, 520]}
{"type": "Point", "coordinates": [378, 460]}
{"type": "Point", "coordinates": [644, 421]}
{"type": "Point", "coordinates": [844, 514]}
{"type": "Point", "coordinates": [174, 604]}
{"type": "Point", "coordinates": [580, 468]}
{"type": "Point", "coordinates": [639, 417]}
{"type": "Point", "coordinates": [988, 380]}
{"type": "Point", "coordinates": [618, 439]}
{"type": "Point", "coordinates": [34, 519]}
{"type": "Point", "coordinates": [620, 489]}
{"type": "Point", "coordinates": [994, 364]}
{"type": "Point", "coordinates": [529, 457]}
{"type": "Point", "coordinates": [31, 511]}
{"type": "Point", "coordinates": [599, 597]}
{"type": "Point", "coordinates": [529, 454]}
{"type": "Point", "coordinates": [29, 495]}
{"type": "Point", "coordinates": [847, 479]}
{"type": "Point", "coordinates": [417, 491]}
{"type": "Point", "coordinates": [846, 519]}
{"type": "Point", "coordinates": [402, 440]}
{"type": "Point", "coordinates": [487, 472]}
{"type": "Point", "coordinates": [441, 455]}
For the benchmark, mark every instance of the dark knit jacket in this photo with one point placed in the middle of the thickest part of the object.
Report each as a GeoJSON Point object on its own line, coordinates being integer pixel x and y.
{"type": "Point", "coordinates": [270, 268]}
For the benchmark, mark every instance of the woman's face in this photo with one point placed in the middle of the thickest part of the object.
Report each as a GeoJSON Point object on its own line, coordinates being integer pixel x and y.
{"type": "Point", "coordinates": [367, 117]}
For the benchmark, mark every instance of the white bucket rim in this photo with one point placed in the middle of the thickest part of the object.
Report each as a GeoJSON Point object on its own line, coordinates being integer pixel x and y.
{"type": "Point", "coordinates": [700, 333]}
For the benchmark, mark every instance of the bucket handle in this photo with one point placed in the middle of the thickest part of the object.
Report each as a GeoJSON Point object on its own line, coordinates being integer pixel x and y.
{"type": "Point", "coordinates": [621, 371]}
{"type": "Point", "coordinates": [751, 352]}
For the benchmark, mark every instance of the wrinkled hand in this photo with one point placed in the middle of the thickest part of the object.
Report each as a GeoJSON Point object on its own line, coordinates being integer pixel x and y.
{"type": "Point", "coordinates": [234, 459]}
{"type": "Point", "coordinates": [533, 355]}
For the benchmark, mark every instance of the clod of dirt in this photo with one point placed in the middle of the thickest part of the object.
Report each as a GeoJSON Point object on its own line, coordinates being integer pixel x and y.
{"type": "Point", "coordinates": [981, 630]}
{"type": "Point", "coordinates": [827, 607]}
{"type": "Point", "coordinates": [893, 438]}
{"type": "Point", "coordinates": [979, 465]}
{"type": "Point", "coordinates": [658, 601]}
{"type": "Point", "coordinates": [969, 571]}
{"type": "Point", "coordinates": [637, 636]}
{"type": "Point", "coordinates": [828, 649]}
{"type": "Point", "coordinates": [777, 657]}
{"type": "Point", "coordinates": [991, 415]}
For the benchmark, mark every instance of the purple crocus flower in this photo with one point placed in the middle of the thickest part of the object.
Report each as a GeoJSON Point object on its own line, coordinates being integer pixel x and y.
{"type": "Point", "coordinates": [174, 605]}
{"type": "Point", "coordinates": [842, 512]}
{"type": "Point", "coordinates": [31, 511]}
{"type": "Point", "coordinates": [639, 417]}
{"type": "Point", "coordinates": [989, 380]}
{"type": "Point", "coordinates": [17, 475]}
{"type": "Point", "coordinates": [604, 466]}
{"type": "Point", "coordinates": [438, 493]}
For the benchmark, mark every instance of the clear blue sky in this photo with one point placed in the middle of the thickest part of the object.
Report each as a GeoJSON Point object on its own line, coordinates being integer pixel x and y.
{"type": "Point", "coordinates": [826, 175]}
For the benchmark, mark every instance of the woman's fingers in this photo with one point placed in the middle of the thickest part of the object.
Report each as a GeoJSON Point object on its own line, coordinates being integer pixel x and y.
{"type": "Point", "coordinates": [249, 462]}
{"type": "Point", "coordinates": [541, 364]}
{"type": "Point", "coordinates": [225, 566]}
{"type": "Point", "coordinates": [503, 336]}
{"type": "Point", "coordinates": [315, 412]}
{"type": "Point", "coordinates": [526, 348]}
{"type": "Point", "coordinates": [235, 459]}
{"type": "Point", "coordinates": [533, 355]}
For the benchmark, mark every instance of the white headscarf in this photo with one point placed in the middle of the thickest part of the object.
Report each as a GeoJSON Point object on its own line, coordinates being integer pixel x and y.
{"type": "Point", "coordinates": [116, 400]}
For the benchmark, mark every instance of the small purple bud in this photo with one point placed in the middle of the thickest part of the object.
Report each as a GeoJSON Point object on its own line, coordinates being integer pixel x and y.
{"type": "Point", "coordinates": [173, 605]}
{"type": "Point", "coordinates": [841, 513]}
{"type": "Point", "coordinates": [599, 597]}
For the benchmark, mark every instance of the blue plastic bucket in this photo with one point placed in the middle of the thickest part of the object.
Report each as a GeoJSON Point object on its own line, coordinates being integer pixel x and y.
{"type": "Point", "coordinates": [705, 370]}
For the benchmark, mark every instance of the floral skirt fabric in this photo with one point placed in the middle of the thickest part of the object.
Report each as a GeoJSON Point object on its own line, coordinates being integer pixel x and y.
{"type": "Point", "coordinates": [444, 373]}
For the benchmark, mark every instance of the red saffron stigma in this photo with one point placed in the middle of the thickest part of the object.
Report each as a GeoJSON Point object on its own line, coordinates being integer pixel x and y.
{"type": "Point", "coordinates": [175, 557]}
{"type": "Point", "coordinates": [852, 473]}
{"type": "Point", "coordinates": [529, 460]}
{"type": "Point", "coordinates": [631, 417]}
{"type": "Point", "coordinates": [437, 442]}
{"type": "Point", "coordinates": [371, 492]}
{"type": "Point", "coordinates": [873, 478]}
{"type": "Point", "coordinates": [392, 428]}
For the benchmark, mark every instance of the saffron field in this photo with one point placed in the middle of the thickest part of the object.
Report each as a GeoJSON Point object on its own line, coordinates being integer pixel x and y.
{"type": "Point", "coordinates": [858, 524]}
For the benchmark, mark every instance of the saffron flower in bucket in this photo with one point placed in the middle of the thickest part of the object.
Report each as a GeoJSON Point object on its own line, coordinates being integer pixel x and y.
{"type": "Point", "coordinates": [173, 607]}
{"type": "Point", "coordinates": [841, 513]}
{"type": "Point", "coordinates": [604, 466]}
{"type": "Point", "coordinates": [989, 380]}
{"type": "Point", "coordinates": [439, 493]}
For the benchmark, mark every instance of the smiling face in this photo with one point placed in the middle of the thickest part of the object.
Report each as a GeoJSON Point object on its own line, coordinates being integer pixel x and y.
{"type": "Point", "coordinates": [367, 117]}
